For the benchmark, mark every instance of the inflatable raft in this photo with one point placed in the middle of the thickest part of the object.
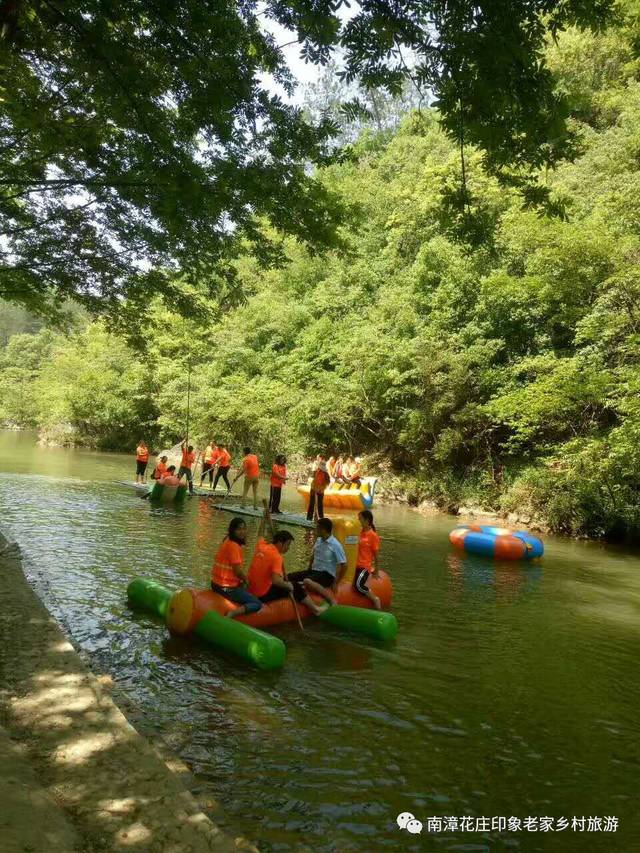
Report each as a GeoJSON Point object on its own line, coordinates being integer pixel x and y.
{"type": "Point", "coordinates": [202, 612]}
{"type": "Point", "coordinates": [344, 495]}
{"type": "Point", "coordinates": [165, 493]}
{"type": "Point", "coordinates": [499, 542]}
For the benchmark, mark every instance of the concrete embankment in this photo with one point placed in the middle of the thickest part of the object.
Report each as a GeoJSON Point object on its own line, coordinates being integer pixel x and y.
{"type": "Point", "coordinates": [76, 775]}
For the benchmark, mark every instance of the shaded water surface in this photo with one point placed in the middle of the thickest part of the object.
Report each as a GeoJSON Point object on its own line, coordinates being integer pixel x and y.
{"type": "Point", "coordinates": [511, 690]}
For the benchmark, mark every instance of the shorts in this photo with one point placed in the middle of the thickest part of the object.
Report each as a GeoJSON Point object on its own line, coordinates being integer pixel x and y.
{"type": "Point", "coordinates": [360, 580]}
{"type": "Point", "coordinates": [141, 467]}
{"type": "Point", "coordinates": [325, 579]}
{"type": "Point", "coordinates": [275, 593]}
{"type": "Point", "coordinates": [240, 596]}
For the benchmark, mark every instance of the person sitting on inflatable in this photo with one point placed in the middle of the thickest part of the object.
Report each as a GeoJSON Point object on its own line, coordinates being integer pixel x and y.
{"type": "Point", "coordinates": [266, 572]}
{"type": "Point", "coordinates": [228, 578]}
{"type": "Point", "coordinates": [354, 471]}
{"type": "Point", "coordinates": [161, 469]}
{"type": "Point", "coordinates": [327, 565]}
{"type": "Point", "coordinates": [367, 560]}
{"type": "Point", "coordinates": [169, 477]}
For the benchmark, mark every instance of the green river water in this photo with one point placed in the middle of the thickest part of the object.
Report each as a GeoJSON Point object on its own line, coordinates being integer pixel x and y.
{"type": "Point", "coordinates": [512, 690]}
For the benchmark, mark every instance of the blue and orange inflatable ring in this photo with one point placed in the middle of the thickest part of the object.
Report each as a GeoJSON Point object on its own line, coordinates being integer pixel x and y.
{"type": "Point", "coordinates": [496, 542]}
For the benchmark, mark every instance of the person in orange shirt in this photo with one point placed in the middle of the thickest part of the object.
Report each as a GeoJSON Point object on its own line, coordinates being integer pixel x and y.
{"type": "Point", "coordinates": [169, 477]}
{"type": "Point", "coordinates": [161, 469]}
{"type": "Point", "coordinates": [251, 470]}
{"type": "Point", "coordinates": [209, 462]}
{"type": "Point", "coordinates": [228, 577]}
{"type": "Point", "coordinates": [278, 479]}
{"type": "Point", "coordinates": [186, 464]}
{"type": "Point", "coordinates": [142, 460]}
{"type": "Point", "coordinates": [267, 579]}
{"type": "Point", "coordinates": [367, 560]}
{"type": "Point", "coordinates": [319, 483]}
{"type": "Point", "coordinates": [224, 463]}
{"type": "Point", "coordinates": [355, 471]}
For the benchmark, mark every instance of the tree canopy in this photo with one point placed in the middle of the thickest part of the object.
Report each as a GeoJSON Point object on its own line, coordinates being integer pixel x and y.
{"type": "Point", "coordinates": [141, 147]}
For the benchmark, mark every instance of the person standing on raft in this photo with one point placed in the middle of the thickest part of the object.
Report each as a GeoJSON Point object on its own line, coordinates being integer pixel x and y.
{"type": "Point", "coordinates": [277, 481]}
{"type": "Point", "coordinates": [267, 579]}
{"type": "Point", "coordinates": [367, 560]}
{"type": "Point", "coordinates": [142, 460]}
{"type": "Point", "coordinates": [319, 483]}
{"type": "Point", "coordinates": [224, 463]}
{"type": "Point", "coordinates": [209, 460]}
{"type": "Point", "coordinates": [327, 565]}
{"type": "Point", "coordinates": [251, 470]}
{"type": "Point", "coordinates": [186, 464]}
{"type": "Point", "coordinates": [228, 578]}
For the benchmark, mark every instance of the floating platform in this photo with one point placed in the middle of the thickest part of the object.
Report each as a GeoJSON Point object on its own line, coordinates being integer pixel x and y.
{"type": "Point", "coordinates": [278, 518]}
{"type": "Point", "coordinates": [145, 488]}
{"type": "Point", "coordinates": [345, 495]}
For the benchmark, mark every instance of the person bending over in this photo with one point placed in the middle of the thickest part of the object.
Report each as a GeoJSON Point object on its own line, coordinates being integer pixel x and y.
{"type": "Point", "coordinates": [251, 470]}
{"type": "Point", "coordinates": [228, 577]}
{"type": "Point", "coordinates": [327, 565]}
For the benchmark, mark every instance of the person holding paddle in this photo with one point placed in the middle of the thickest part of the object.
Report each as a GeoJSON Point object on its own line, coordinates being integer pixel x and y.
{"type": "Point", "coordinates": [267, 576]}
{"type": "Point", "coordinates": [209, 462]}
{"type": "Point", "coordinates": [224, 463]}
{"type": "Point", "coordinates": [186, 464]}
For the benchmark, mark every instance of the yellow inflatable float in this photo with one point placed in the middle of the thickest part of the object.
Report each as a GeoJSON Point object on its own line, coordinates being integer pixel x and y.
{"type": "Point", "coordinates": [345, 495]}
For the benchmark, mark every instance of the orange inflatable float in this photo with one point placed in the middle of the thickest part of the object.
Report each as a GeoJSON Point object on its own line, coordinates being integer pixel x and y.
{"type": "Point", "coordinates": [187, 607]}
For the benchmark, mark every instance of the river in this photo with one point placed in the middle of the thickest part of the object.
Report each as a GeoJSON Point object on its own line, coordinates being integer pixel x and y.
{"type": "Point", "coordinates": [512, 690]}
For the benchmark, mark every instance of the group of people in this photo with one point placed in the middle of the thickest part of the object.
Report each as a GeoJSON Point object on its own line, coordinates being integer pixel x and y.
{"type": "Point", "coordinates": [216, 463]}
{"type": "Point", "coordinates": [216, 459]}
{"type": "Point", "coordinates": [266, 580]}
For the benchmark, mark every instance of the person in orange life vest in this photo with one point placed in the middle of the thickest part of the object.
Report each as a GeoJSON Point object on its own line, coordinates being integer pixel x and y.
{"type": "Point", "coordinates": [266, 572]}
{"type": "Point", "coordinates": [160, 470]}
{"type": "Point", "coordinates": [319, 483]}
{"type": "Point", "coordinates": [367, 561]}
{"type": "Point", "coordinates": [169, 477]}
{"type": "Point", "coordinates": [228, 577]}
{"type": "Point", "coordinates": [224, 463]}
{"type": "Point", "coordinates": [326, 568]}
{"type": "Point", "coordinates": [186, 464]}
{"type": "Point", "coordinates": [142, 460]}
{"type": "Point", "coordinates": [251, 470]}
{"type": "Point", "coordinates": [209, 461]}
{"type": "Point", "coordinates": [277, 481]}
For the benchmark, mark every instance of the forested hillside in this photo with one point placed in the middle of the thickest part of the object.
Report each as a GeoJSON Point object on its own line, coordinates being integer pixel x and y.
{"type": "Point", "coordinates": [491, 356]}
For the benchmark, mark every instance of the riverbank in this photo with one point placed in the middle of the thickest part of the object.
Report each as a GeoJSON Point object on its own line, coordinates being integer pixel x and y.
{"type": "Point", "coordinates": [77, 776]}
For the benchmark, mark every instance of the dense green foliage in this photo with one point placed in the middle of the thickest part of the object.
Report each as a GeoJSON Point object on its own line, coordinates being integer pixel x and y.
{"type": "Point", "coordinates": [141, 145]}
{"type": "Point", "coordinates": [500, 367]}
